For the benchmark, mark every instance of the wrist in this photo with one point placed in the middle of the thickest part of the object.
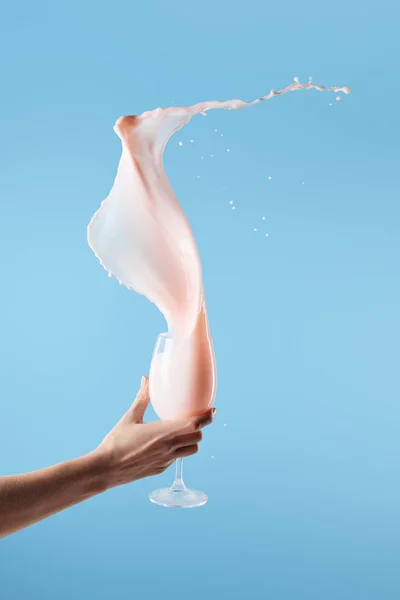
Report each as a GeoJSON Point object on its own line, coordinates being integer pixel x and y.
{"type": "Point", "coordinates": [97, 470]}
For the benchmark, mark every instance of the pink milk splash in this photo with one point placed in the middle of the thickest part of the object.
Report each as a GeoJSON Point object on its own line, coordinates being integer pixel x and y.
{"type": "Point", "coordinates": [142, 237]}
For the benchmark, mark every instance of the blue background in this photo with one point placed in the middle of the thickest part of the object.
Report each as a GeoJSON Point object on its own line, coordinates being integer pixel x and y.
{"type": "Point", "coordinates": [304, 485]}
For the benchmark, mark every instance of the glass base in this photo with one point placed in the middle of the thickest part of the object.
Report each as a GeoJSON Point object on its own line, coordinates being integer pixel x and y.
{"type": "Point", "coordinates": [178, 497]}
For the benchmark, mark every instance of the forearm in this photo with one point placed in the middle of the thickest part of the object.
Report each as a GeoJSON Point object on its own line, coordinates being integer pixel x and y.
{"type": "Point", "coordinates": [26, 499]}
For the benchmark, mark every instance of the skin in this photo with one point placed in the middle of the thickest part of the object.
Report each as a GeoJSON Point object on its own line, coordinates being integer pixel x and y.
{"type": "Point", "coordinates": [131, 451]}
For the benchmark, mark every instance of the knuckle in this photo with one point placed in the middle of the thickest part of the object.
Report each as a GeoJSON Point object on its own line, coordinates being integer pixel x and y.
{"type": "Point", "coordinates": [140, 398]}
{"type": "Point", "coordinates": [164, 445]}
{"type": "Point", "coordinates": [171, 444]}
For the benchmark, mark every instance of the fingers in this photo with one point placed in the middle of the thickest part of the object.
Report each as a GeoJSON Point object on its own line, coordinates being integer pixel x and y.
{"type": "Point", "coordinates": [188, 439]}
{"type": "Point", "coordinates": [160, 468]}
{"type": "Point", "coordinates": [188, 443]}
{"type": "Point", "coordinates": [188, 425]}
{"type": "Point", "coordinates": [204, 419]}
{"type": "Point", "coordinates": [141, 402]}
{"type": "Point", "coordinates": [186, 451]}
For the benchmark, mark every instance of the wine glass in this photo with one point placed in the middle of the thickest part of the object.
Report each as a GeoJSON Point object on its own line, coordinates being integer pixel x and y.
{"type": "Point", "coordinates": [178, 495]}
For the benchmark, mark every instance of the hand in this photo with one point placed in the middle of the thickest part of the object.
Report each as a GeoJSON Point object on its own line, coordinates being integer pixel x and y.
{"type": "Point", "coordinates": [133, 450]}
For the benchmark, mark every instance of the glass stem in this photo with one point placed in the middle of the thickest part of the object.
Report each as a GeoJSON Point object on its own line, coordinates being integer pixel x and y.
{"type": "Point", "coordinates": [179, 470]}
{"type": "Point", "coordinates": [178, 484]}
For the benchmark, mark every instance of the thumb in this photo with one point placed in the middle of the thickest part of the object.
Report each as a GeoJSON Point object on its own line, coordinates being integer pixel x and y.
{"type": "Point", "coordinates": [141, 402]}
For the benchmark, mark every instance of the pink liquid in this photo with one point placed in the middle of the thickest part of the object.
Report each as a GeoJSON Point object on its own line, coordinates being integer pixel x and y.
{"type": "Point", "coordinates": [142, 237]}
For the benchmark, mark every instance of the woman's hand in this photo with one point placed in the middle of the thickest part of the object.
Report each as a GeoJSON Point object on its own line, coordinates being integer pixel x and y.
{"type": "Point", "coordinates": [130, 451]}
{"type": "Point", "coordinates": [133, 450]}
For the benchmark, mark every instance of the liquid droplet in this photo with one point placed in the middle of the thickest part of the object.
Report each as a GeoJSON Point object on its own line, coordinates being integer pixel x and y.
{"type": "Point", "coordinates": [230, 201]}
{"type": "Point", "coordinates": [191, 141]}
{"type": "Point", "coordinates": [255, 229]}
{"type": "Point", "coordinates": [233, 207]}
{"type": "Point", "coordinates": [267, 235]}
{"type": "Point", "coordinates": [338, 98]}
{"type": "Point", "coordinates": [263, 218]}
{"type": "Point", "coordinates": [270, 177]}
{"type": "Point", "coordinates": [181, 143]}
{"type": "Point", "coordinates": [228, 149]}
